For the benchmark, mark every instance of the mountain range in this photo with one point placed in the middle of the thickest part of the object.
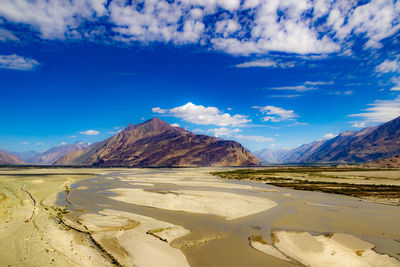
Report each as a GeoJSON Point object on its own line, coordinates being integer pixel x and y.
{"type": "Point", "coordinates": [157, 143]}
{"type": "Point", "coordinates": [6, 159]}
{"type": "Point", "coordinates": [366, 145]}
{"type": "Point", "coordinates": [47, 157]}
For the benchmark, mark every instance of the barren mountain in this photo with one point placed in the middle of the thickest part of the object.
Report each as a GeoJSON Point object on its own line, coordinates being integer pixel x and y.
{"type": "Point", "coordinates": [369, 144]}
{"type": "Point", "coordinates": [6, 159]}
{"type": "Point", "coordinates": [156, 143]}
{"type": "Point", "coordinates": [52, 155]}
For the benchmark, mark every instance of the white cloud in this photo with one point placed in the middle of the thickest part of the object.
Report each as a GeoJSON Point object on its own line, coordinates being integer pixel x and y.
{"type": "Point", "coordinates": [202, 115]}
{"type": "Point", "coordinates": [296, 123]}
{"type": "Point", "coordinates": [358, 125]}
{"type": "Point", "coordinates": [233, 26]}
{"type": "Point", "coordinates": [39, 143]}
{"type": "Point", "coordinates": [380, 111]}
{"type": "Point", "coordinates": [330, 136]}
{"type": "Point", "coordinates": [284, 96]}
{"type": "Point", "coordinates": [318, 83]}
{"type": "Point", "coordinates": [25, 143]}
{"type": "Point", "coordinates": [227, 27]}
{"type": "Point", "coordinates": [6, 35]}
{"type": "Point", "coordinates": [297, 88]}
{"type": "Point", "coordinates": [72, 136]}
{"type": "Point", "coordinates": [52, 18]}
{"type": "Point", "coordinates": [90, 132]}
{"type": "Point", "coordinates": [389, 66]}
{"type": "Point", "coordinates": [175, 125]}
{"type": "Point", "coordinates": [233, 134]}
{"type": "Point", "coordinates": [254, 138]}
{"type": "Point", "coordinates": [158, 110]}
{"type": "Point", "coordinates": [16, 62]}
{"type": "Point", "coordinates": [396, 82]}
{"type": "Point", "coordinates": [223, 131]}
{"type": "Point", "coordinates": [267, 63]}
{"type": "Point", "coordinates": [348, 92]}
{"type": "Point", "coordinates": [276, 114]}
{"type": "Point", "coordinates": [114, 132]}
{"type": "Point", "coordinates": [306, 86]}
{"type": "Point", "coordinates": [63, 144]}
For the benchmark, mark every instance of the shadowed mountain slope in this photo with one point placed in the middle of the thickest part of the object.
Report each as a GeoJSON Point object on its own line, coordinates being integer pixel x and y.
{"type": "Point", "coordinates": [369, 144]}
{"type": "Point", "coordinates": [6, 159]}
{"type": "Point", "coordinates": [156, 143]}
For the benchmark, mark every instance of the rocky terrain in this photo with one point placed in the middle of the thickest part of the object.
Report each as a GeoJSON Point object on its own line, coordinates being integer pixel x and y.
{"type": "Point", "coordinates": [156, 143]}
{"type": "Point", "coordinates": [6, 159]}
{"type": "Point", "coordinates": [369, 144]}
{"type": "Point", "coordinates": [52, 155]}
{"type": "Point", "coordinates": [393, 162]}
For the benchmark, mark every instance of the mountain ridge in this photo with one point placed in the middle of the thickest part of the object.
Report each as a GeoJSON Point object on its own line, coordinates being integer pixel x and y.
{"type": "Point", "coordinates": [9, 159]}
{"type": "Point", "coordinates": [368, 144]}
{"type": "Point", "coordinates": [157, 143]}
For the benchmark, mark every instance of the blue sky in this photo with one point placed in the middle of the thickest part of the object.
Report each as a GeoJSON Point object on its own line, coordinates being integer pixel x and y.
{"type": "Point", "coordinates": [269, 74]}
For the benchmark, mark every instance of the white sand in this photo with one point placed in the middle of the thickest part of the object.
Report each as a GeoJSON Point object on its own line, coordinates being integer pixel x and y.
{"type": "Point", "coordinates": [223, 204]}
{"type": "Point", "coordinates": [269, 250]}
{"type": "Point", "coordinates": [187, 182]}
{"type": "Point", "coordinates": [342, 250]}
{"type": "Point", "coordinates": [125, 234]}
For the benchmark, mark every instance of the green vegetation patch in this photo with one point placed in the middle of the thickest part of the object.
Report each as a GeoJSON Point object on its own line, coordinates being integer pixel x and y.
{"type": "Point", "coordinates": [271, 176]}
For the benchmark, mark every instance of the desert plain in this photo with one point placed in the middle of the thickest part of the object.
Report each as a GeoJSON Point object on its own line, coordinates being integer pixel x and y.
{"type": "Point", "coordinates": [189, 217]}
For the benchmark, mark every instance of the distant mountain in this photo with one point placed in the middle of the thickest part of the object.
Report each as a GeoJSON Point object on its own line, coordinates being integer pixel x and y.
{"type": "Point", "coordinates": [25, 156]}
{"type": "Point", "coordinates": [369, 144]}
{"type": "Point", "coordinates": [53, 154]}
{"type": "Point", "coordinates": [156, 143]}
{"type": "Point", "coordinates": [6, 159]}
{"type": "Point", "coordinates": [303, 151]}
{"type": "Point", "coordinates": [275, 155]}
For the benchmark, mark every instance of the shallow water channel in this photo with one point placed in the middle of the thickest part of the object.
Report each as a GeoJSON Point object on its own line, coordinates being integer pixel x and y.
{"type": "Point", "coordinates": [215, 241]}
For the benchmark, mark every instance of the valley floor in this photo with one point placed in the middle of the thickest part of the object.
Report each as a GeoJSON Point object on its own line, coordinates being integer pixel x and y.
{"type": "Point", "coordinates": [186, 217]}
{"type": "Point", "coordinates": [379, 185]}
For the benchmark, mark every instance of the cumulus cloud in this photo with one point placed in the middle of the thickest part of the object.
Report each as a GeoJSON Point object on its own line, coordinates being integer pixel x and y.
{"type": "Point", "coordinates": [15, 62]}
{"type": "Point", "coordinates": [233, 26]}
{"type": "Point", "coordinates": [380, 111]}
{"type": "Point", "coordinates": [202, 115]}
{"type": "Point", "coordinates": [276, 114]}
{"type": "Point", "coordinates": [90, 132]}
{"type": "Point", "coordinates": [175, 125]}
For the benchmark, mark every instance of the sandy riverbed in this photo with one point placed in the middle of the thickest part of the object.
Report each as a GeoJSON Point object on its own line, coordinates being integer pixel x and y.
{"type": "Point", "coordinates": [181, 217]}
